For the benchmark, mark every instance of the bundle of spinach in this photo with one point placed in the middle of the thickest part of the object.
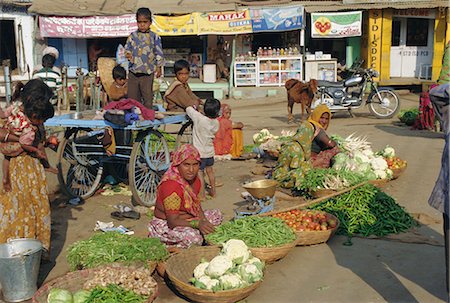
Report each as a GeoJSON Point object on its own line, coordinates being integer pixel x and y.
{"type": "Point", "coordinates": [367, 211]}
{"type": "Point", "coordinates": [109, 247]}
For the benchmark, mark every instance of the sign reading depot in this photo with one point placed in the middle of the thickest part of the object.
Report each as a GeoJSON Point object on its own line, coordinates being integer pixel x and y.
{"type": "Point", "coordinates": [336, 25]}
{"type": "Point", "coordinates": [232, 22]}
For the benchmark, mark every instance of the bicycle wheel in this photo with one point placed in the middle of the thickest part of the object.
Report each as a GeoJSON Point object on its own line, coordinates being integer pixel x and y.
{"type": "Point", "coordinates": [184, 135]}
{"type": "Point", "coordinates": [79, 164]}
{"type": "Point", "coordinates": [149, 160]}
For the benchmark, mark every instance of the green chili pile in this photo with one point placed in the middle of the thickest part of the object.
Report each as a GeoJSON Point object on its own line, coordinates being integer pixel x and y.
{"type": "Point", "coordinates": [114, 293]}
{"type": "Point", "coordinates": [254, 231]}
{"type": "Point", "coordinates": [109, 247]}
{"type": "Point", "coordinates": [368, 211]}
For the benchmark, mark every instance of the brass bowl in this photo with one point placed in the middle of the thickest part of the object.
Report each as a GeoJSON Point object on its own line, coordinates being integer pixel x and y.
{"type": "Point", "coordinates": [261, 188]}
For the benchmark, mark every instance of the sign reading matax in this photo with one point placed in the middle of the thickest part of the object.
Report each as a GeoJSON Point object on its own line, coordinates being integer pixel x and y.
{"type": "Point", "coordinates": [232, 22]}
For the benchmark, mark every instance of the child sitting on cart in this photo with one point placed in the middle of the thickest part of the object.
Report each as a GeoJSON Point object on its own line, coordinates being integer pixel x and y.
{"type": "Point", "coordinates": [25, 119]}
{"type": "Point", "coordinates": [179, 95]}
{"type": "Point", "coordinates": [119, 88]}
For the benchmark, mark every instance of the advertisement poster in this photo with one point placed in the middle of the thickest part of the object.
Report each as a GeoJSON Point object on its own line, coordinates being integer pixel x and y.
{"type": "Point", "coordinates": [175, 25]}
{"type": "Point", "coordinates": [223, 23]}
{"type": "Point", "coordinates": [336, 25]}
{"type": "Point", "coordinates": [276, 19]}
{"type": "Point", "coordinates": [87, 27]}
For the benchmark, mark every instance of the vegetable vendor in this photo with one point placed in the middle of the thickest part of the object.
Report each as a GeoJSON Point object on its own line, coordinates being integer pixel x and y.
{"type": "Point", "coordinates": [323, 149]}
{"type": "Point", "coordinates": [179, 218]}
{"type": "Point", "coordinates": [294, 160]}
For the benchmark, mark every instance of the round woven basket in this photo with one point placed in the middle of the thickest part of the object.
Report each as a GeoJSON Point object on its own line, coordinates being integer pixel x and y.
{"type": "Point", "coordinates": [271, 254]}
{"type": "Point", "coordinates": [74, 281]}
{"type": "Point", "coordinates": [396, 172]}
{"type": "Point", "coordinates": [322, 193]}
{"type": "Point", "coordinates": [180, 268]}
{"type": "Point", "coordinates": [379, 182]}
{"type": "Point", "coordinates": [311, 237]}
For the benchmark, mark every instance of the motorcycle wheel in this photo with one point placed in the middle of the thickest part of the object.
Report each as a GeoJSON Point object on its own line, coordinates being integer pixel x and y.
{"type": "Point", "coordinates": [385, 108]}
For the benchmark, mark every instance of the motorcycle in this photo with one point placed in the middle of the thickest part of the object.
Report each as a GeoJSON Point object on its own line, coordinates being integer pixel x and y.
{"type": "Point", "coordinates": [349, 94]}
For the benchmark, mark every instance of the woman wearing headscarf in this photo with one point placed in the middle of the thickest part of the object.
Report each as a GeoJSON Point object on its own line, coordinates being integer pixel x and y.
{"type": "Point", "coordinates": [229, 138]}
{"type": "Point", "coordinates": [294, 159]}
{"type": "Point", "coordinates": [323, 149]}
{"type": "Point", "coordinates": [179, 218]}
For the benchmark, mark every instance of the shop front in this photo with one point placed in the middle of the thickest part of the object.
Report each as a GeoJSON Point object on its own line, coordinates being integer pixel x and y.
{"type": "Point", "coordinates": [412, 43]}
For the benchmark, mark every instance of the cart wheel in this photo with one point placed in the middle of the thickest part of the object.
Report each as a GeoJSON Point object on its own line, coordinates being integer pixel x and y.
{"type": "Point", "coordinates": [149, 160]}
{"type": "Point", "coordinates": [184, 136]}
{"type": "Point", "coordinates": [79, 173]}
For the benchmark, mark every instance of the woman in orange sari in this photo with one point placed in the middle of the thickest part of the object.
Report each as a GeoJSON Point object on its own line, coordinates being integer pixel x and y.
{"type": "Point", "coordinates": [323, 149]}
{"type": "Point", "coordinates": [179, 218]}
{"type": "Point", "coordinates": [229, 139]}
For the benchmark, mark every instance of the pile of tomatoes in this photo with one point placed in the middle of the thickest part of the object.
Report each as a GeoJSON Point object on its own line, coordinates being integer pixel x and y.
{"type": "Point", "coordinates": [307, 220]}
{"type": "Point", "coordinates": [395, 162]}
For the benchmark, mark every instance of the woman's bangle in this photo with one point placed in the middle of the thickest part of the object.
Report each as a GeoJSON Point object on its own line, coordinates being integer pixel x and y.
{"type": "Point", "coordinates": [5, 139]}
{"type": "Point", "coordinates": [194, 224]}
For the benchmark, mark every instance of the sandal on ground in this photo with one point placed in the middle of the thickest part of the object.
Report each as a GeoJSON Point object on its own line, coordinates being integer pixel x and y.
{"type": "Point", "coordinates": [126, 214]}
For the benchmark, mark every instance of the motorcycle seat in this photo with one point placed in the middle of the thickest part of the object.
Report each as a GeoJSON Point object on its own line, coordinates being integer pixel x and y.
{"type": "Point", "coordinates": [329, 83]}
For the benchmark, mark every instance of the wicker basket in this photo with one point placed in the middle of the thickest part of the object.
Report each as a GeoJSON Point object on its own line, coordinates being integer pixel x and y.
{"type": "Point", "coordinates": [74, 281]}
{"type": "Point", "coordinates": [180, 268]}
{"type": "Point", "coordinates": [396, 172]}
{"type": "Point", "coordinates": [311, 237]}
{"type": "Point", "coordinates": [271, 254]}
{"type": "Point", "coordinates": [150, 265]}
{"type": "Point", "coordinates": [378, 182]}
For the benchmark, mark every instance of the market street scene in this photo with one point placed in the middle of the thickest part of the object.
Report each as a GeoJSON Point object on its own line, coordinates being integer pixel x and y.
{"type": "Point", "coordinates": [224, 151]}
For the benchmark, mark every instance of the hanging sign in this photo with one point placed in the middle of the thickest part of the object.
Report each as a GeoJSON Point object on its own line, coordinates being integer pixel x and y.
{"type": "Point", "coordinates": [175, 25]}
{"type": "Point", "coordinates": [276, 19]}
{"type": "Point", "coordinates": [87, 27]}
{"type": "Point", "coordinates": [223, 23]}
{"type": "Point", "coordinates": [336, 25]}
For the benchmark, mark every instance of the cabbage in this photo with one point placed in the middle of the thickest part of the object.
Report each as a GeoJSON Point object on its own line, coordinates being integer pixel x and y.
{"type": "Point", "coordinates": [81, 296]}
{"type": "Point", "coordinates": [250, 273]}
{"type": "Point", "coordinates": [57, 295]}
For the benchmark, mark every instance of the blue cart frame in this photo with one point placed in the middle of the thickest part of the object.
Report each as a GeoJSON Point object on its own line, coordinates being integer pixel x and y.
{"type": "Point", "coordinates": [142, 155]}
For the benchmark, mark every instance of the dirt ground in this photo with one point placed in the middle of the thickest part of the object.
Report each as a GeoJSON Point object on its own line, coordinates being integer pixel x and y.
{"type": "Point", "coordinates": [372, 270]}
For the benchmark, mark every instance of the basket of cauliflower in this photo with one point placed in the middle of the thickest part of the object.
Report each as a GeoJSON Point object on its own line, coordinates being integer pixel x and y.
{"type": "Point", "coordinates": [211, 274]}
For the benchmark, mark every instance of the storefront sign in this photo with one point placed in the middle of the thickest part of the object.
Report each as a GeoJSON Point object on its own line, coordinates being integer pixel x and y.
{"type": "Point", "coordinates": [336, 25]}
{"type": "Point", "coordinates": [87, 27]}
{"type": "Point", "coordinates": [415, 13]}
{"type": "Point", "coordinates": [175, 25]}
{"type": "Point", "coordinates": [375, 39]}
{"type": "Point", "coordinates": [276, 19]}
{"type": "Point", "coordinates": [222, 23]}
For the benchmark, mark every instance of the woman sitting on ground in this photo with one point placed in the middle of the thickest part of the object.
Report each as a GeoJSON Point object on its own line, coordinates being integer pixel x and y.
{"type": "Point", "coordinates": [179, 218]}
{"type": "Point", "coordinates": [323, 149]}
{"type": "Point", "coordinates": [229, 139]}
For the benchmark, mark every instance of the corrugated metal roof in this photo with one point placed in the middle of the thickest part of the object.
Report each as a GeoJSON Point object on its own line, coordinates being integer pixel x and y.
{"type": "Point", "coordinates": [120, 7]}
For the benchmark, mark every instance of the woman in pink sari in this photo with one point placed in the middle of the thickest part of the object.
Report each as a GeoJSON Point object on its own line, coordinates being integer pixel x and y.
{"type": "Point", "coordinates": [179, 218]}
{"type": "Point", "coordinates": [229, 138]}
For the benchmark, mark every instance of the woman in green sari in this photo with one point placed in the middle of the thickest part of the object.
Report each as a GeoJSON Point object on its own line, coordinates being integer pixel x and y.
{"type": "Point", "coordinates": [294, 159]}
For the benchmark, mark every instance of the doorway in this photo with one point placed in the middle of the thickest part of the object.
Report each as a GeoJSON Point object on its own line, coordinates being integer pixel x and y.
{"type": "Point", "coordinates": [8, 42]}
{"type": "Point", "coordinates": [412, 47]}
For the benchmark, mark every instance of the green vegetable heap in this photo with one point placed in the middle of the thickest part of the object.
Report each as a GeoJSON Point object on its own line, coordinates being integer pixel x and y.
{"type": "Point", "coordinates": [109, 247]}
{"type": "Point", "coordinates": [367, 211]}
{"type": "Point", "coordinates": [254, 231]}
{"type": "Point", "coordinates": [319, 178]}
{"type": "Point", "coordinates": [114, 293]}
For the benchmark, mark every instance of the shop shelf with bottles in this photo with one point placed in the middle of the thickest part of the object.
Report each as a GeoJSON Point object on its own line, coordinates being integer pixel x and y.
{"type": "Point", "coordinates": [275, 71]}
{"type": "Point", "coordinates": [245, 73]}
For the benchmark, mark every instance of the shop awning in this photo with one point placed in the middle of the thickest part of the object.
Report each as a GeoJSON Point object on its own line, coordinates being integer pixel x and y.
{"type": "Point", "coordinates": [121, 7]}
{"type": "Point", "coordinates": [333, 6]}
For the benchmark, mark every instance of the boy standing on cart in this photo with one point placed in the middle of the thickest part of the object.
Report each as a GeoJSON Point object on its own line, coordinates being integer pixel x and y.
{"type": "Point", "coordinates": [145, 55]}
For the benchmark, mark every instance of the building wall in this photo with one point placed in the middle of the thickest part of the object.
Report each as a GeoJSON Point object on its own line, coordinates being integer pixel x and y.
{"type": "Point", "coordinates": [24, 42]}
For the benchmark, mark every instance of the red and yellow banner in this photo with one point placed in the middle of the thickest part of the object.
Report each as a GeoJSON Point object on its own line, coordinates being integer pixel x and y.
{"type": "Point", "coordinates": [223, 23]}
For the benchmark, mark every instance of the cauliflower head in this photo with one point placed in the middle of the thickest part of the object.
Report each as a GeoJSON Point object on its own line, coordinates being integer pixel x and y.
{"type": "Point", "coordinates": [378, 163]}
{"type": "Point", "coordinates": [230, 281]}
{"type": "Point", "coordinates": [388, 152]}
{"type": "Point", "coordinates": [205, 282]}
{"type": "Point", "coordinates": [218, 266]}
{"type": "Point", "coordinates": [250, 273]}
{"type": "Point", "coordinates": [199, 271]}
{"type": "Point", "coordinates": [236, 250]}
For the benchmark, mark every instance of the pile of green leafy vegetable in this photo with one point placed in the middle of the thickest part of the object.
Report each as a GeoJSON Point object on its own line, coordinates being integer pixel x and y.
{"type": "Point", "coordinates": [109, 247]}
{"type": "Point", "coordinates": [254, 231]}
{"type": "Point", "coordinates": [114, 293]}
{"type": "Point", "coordinates": [409, 116]}
{"type": "Point", "coordinates": [367, 211]}
{"type": "Point", "coordinates": [316, 178]}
